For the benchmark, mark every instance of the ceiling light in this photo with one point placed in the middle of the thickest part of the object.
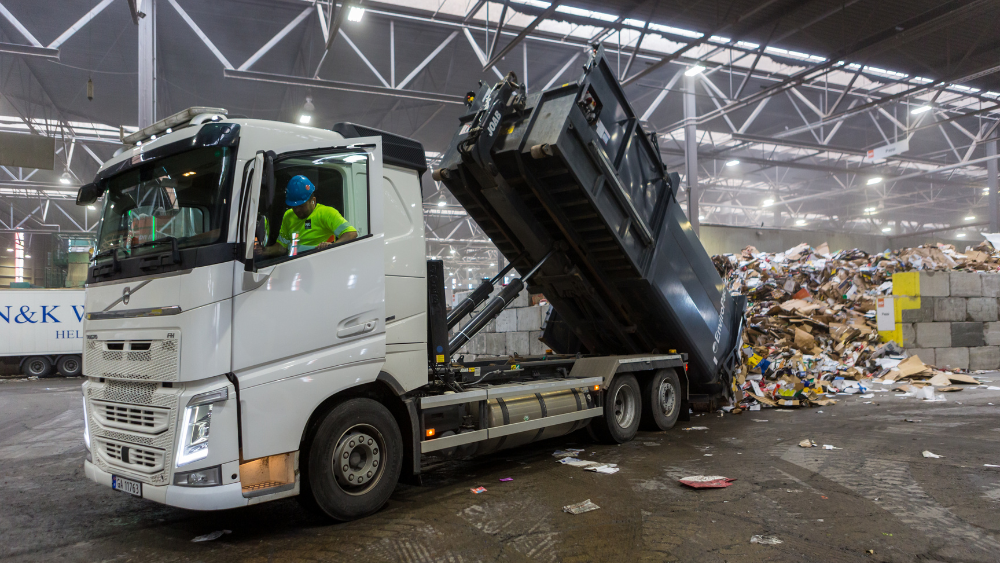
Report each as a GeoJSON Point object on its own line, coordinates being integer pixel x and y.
{"type": "Point", "coordinates": [871, 210]}
{"type": "Point", "coordinates": [91, 207]}
{"type": "Point", "coordinates": [919, 110]}
{"type": "Point", "coordinates": [355, 14]}
{"type": "Point", "coordinates": [701, 217]}
{"type": "Point", "coordinates": [65, 179]}
{"type": "Point", "coordinates": [959, 235]}
{"type": "Point", "coordinates": [10, 250]}
{"type": "Point", "coordinates": [800, 222]}
{"type": "Point", "coordinates": [886, 229]}
{"type": "Point", "coordinates": [29, 256]}
{"type": "Point", "coordinates": [442, 203]}
{"type": "Point", "coordinates": [970, 218]}
{"type": "Point", "coordinates": [192, 173]}
{"type": "Point", "coordinates": [733, 162]}
{"type": "Point", "coordinates": [874, 180]}
{"type": "Point", "coordinates": [696, 69]}
{"type": "Point", "coordinates": [768, 202]}
{"type": "Point", "coordinates": [305, 118]}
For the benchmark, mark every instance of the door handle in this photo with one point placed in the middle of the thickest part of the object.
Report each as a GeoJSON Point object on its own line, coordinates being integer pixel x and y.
{"type": "Point", "coordinates": [356, 329]}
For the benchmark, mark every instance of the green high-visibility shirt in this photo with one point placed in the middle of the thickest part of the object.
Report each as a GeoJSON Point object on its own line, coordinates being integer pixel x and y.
{"type": "Point", "coordinates": [317, 228]}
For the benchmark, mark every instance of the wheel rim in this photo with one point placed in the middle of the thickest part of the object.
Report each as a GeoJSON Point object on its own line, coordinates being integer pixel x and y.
{"type": "Point", "coordinates": [666, 397]}
{"type": "Point", "coordinates": [358, 459]}
{"type": "Point", "coordinates": [36, 367]}
{"type": "Point", "coordinates": [70, 366]}
{"type": "Point", "coordinates": [624, 403]}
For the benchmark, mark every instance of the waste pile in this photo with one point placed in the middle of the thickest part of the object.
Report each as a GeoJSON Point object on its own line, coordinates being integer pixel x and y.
{"type": "Point", "coordinates": [811, 330]}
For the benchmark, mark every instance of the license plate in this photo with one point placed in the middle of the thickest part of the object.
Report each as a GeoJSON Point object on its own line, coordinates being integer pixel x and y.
{"type": "Point", "coordinates": [126, 485]}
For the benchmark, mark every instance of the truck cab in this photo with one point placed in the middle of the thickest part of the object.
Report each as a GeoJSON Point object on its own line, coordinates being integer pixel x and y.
{"type": "Point", "coordinates": [209, 362]}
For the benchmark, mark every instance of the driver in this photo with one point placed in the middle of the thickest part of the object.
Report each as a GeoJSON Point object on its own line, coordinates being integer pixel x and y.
{"type": "Point", "coordinates": [313, 224]}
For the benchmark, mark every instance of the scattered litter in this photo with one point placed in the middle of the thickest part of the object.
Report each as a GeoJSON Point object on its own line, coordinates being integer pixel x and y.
{"type": "Point", "coordinates": [696, 428]}
{"type": "Point", "coordinates": [993, 388]}
{"type": "Point", "coordinates": [606, 469]}
{"type": "Point", "coordinates": [478, 490]}
{"type": "Point", "coordinates": [580, 507]}
{"type": "Point", "coordinates": [829, 447]}
{"type": "Point", "coordinates": [765, 540]}
{"type": "Point", "coordinates": [567, 452]}
{"type": "Point", "coordinates": [990, 465]}
{"type": "Point", "coordinates": [759, 419]}
{"type": "Point", "coordinates": [212, 536]}
{"type": "Point", "coordinates": [807, 443]}
{"type": "Point", "coordinates": [708, 455]}
{"type": "Point", "coordinates": [927, 453]}
{"type": "Point", "coordinates": [911, 420]}
{"type": "Point", "coordinates": [650, 444]}
{"type": "Point", "coordinates": [506, 479]}
{"type": "Point", "coordinates": [707, 481]}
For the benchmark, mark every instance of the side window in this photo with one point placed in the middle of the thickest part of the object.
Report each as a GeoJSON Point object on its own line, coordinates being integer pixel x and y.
{"type": "Point", "coordinates": [320, 201]}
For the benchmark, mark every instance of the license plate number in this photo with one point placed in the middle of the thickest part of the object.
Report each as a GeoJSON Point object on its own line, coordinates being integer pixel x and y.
{"type": "Point", "coordinates": [129, 486]}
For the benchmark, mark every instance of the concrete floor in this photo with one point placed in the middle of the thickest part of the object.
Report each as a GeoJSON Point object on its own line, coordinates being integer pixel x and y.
{"type": "Point", "coordinates": [876, 493]}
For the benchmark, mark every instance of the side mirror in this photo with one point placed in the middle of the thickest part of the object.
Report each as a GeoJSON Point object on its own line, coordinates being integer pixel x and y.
{"type": "Point", "coordinates": [88, 194]}
{"type": "Point", "coordinates": [260, 232]}
{"type": "Point", "coordinates": [267, 180]}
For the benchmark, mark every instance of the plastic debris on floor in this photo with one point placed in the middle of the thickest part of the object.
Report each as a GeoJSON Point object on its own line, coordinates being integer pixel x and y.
{"type": "Point", "coordinates": [212, 536]}
{"type": "Point", "coordinates": [927, 453]}
{"type": "Point", "coordinates": [478, 490]}
{"type": "Point", "coordinates": [580, 507]}
{"type": "Point", "coordinates": [765, 540]}
{"type": "Point", "coordinates": [706, 481]}
{"type": "Point", "coordinates": [811, 333]}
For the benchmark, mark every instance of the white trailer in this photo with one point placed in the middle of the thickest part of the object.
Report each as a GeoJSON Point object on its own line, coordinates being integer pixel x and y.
{"type": "Point", "coordinates": [43, 328]}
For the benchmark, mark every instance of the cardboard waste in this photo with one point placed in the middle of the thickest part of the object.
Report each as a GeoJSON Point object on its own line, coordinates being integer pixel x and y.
{"type": "Point", "coordinates": [811, 328]}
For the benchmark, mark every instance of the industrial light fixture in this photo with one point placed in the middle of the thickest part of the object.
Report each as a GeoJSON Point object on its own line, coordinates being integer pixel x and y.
{"type": "Point", "coordinates": [959, 235]}
{"type": "Point", "coordinates": [91, 207]}
{"type": "Point", "coordinates": [871, 210]}
{"type": "Point", "coordinates": [65, 179]}
{"type": "Point", "coordinates": [10, 250]}
{"type": "Point", "coordinates": [305, 118]}
{"type": "Point", "coordinates": [886, 229]}
{"type": "Point", "coordinates": [874, 180]}
{"type": "Point", "coordinates": [696, 69]}
{"type": "Point", "coordinates": [919, 110]}
{"type": "Point", "coordinates": [701, 217]}
{"type": "Point", "coordinates": [27, 256]}
{"type": "Point", "coordinates": [732, 162]}
{"type": "Point", "coordinates": [442, 203]}
{"type": "Point", "coordinates": [970, 218]}
{"type": "Point", "coordinates": [768, 202]}
{"type": "Point", "coordinates": [800, 222]}
{"type": "Point", "coordinates": [355, 14]}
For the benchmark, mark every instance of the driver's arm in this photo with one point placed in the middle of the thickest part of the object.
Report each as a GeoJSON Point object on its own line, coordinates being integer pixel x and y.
{"type": "Point", "coordinates": [280, 246]}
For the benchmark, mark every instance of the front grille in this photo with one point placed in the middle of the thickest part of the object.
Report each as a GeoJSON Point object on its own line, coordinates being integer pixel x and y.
{"type": "Point", "coordinates": [149, 360]}
{"type": "Point", "coordinates": [135, 418]}
{"type": "Point", "coordinates": [139, 416]}
{"type": "Point", "coordinates": [129, 456]}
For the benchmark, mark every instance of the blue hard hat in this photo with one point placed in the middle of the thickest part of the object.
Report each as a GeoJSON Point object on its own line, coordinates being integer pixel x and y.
{"type": "Point", "coordinates": [298, 191]}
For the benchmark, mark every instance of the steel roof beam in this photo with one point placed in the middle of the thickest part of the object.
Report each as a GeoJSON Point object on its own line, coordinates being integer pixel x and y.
{"type": "Point", "coordinates": [344, 86]}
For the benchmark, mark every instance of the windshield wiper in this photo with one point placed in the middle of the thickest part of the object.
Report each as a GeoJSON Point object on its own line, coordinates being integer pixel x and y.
{"type": "Point", "coordinates": [175, 253]}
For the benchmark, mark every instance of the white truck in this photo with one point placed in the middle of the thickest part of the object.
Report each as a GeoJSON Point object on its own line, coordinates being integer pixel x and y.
{"type": "Point", "coordinates": [43, 330]}
{"type": "Point", "coordinates": [220, 375]}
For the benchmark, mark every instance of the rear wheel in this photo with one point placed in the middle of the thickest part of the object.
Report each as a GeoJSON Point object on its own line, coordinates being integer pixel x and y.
{"type": "Point", "coordinates": [70, 366]}
{"type": "Point", "coordinates": [622, 411]}
{"type": "Point", "coordinates": [661, 400]}
{"type": "Point", "coordinates": [355, 460]}
{"type": "Point", "coordinates": [37, 366]}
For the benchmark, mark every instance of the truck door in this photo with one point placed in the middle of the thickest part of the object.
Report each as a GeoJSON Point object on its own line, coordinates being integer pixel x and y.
{"type": "Point", "coordinates": [310, 304]}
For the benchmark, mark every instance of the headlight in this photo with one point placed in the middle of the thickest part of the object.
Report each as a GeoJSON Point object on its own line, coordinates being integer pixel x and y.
{"type": "Point", "coordinates": [196, 426]}
{"type": "Point", "coordinates": [208, 477]}
{"type": "Point", "coordinates": [86, 425]}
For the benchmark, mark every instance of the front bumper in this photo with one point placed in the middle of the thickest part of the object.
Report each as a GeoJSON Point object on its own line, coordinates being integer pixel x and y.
{"type": "Point", "coordinates": [221, 497]}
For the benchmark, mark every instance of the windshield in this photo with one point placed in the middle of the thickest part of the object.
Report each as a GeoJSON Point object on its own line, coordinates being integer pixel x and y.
{"type": "Point", "coordinates": [181, 197]}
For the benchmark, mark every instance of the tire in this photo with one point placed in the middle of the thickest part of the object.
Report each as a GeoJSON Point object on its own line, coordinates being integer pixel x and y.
{"type": "Point", "coordinates": [365, 434]}
{"type": "Point", "coordinates": [70, 366]}
{"type": "Point", "coordinates": [622, 411]}
{"type": "Point", "coordinates": [661, 400]}
{"type": "Point", "coordinates": [36, 366]}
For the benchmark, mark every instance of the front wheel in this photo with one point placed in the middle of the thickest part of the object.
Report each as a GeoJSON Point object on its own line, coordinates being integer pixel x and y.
{"type": "Point", "coordinates": [355, 460]}
{"type": "Point", "coordinates": [661, 400]}
{"type": "Point", "coordinates": [37, 366]}
{"type": "Point", "coordinates": [622, 411]}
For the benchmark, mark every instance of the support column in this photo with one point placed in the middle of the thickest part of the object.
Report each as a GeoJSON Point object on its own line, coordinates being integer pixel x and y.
{"type": "Point", "coordinates": [691, 152]}
{"type": "Point", "coordinates": [777, 212]}
{"type": "Point", "coordinates": [147, 63]}
{"type": "Point", "coordinates": [991, 182]}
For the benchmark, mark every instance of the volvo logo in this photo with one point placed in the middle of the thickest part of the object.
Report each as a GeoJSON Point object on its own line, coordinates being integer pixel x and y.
{"type": "Point", "coordinates": [125, 295]}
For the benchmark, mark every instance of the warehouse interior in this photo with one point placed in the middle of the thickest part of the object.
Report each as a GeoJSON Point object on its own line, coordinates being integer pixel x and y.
{"type": "Point", "coordinates": [821, 147]}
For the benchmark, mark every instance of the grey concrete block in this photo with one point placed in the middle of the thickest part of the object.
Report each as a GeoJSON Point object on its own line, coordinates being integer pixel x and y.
{"type": "Point", "coordinates": [536, 346]}
{"type": "Point", "coordinates": [925, 314]}
{"type": "Point", "coordinates": [530, 318]}
{"type": "Point", "coordinates": [967, 334]}
{"type": "Point", "coordinates": [935, 284]}
{"type": "Point", "coordinates": [991, 334]}
{"type": "Point", "coordinates": [933, 335]}
{"type": "Point", "coordinates": [952, 357]}
{"type": "Point", "coordinates": [477, 345]}
{"type": "Point", "coordinates": [991, 285]}
{"type": "Point", "coordinates": [523, 299]}
{"type": "Point", "coordinates": [517, 343]}
{"type": "Point", "coordinates": [909, 335]}
{"type": "Point", "coordinates": [926, 355]}
{"type": "Point", "coordinates": [949, 309]}
{"type": "Point", "coordinates": [507, 320]}
{"type": "Point", "coordinates": [981, 309]}
{"type": "Point", "coordinates": [496, 344]}
{"type": "Point", "coordinates": [984, 357]}
{"type": "Point", "coordinates": [965, 284]}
